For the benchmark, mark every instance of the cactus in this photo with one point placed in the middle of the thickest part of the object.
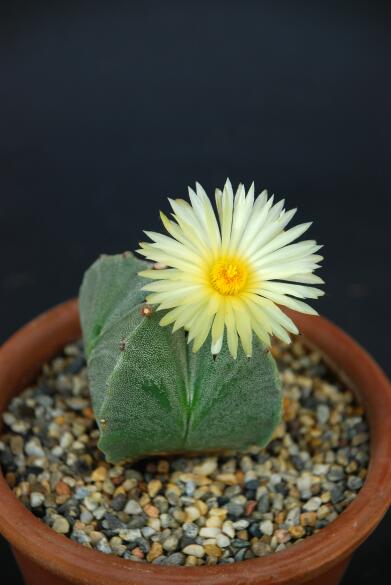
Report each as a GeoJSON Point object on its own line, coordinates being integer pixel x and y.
{"type": "Point", "coordinates": [150, 393]}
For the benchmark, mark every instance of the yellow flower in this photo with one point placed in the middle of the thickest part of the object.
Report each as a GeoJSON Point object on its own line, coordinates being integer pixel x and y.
{"type": "Point", "coordinates": [231, 273]}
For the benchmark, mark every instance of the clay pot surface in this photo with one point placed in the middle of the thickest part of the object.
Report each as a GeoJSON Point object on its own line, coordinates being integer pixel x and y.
{"type": "Point", "coordinates": [52, 559]}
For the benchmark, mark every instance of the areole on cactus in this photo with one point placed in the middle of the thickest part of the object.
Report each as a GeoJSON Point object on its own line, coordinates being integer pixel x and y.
{"type": "Point", "coordinates": [195, 389]}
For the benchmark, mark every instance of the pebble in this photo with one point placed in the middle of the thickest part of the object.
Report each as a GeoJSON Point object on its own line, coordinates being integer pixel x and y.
{"type": "Point", "coordinates": [17, 444]}
{"type": "Point", "coordinates": [260, 549]}
{"type": "Point", "coordinates": [33, 448]}
{"type": "Point", "coordinates": [154, 486]}
{"type": "Point", "coordinates": [99, 474]}
{"type": "Point", "coordinates": [354, 483]}
{"type": "Point", "coordinates": [190, 529]}
{"type": "Point", "coordinates": [155, 551]}
{"type": "Point", "coordinates": [170, 543]}
{"type": "Point", "coordinates": [61, 525]}
{"type": "Point", "coordinates": [207, 467]}
{"type": "Point", "coordinates": [176, 559]}
{"type": "Point", "coordinates": [336, 473]}
{"type": "Point", "coordinates": [322, 413]}
{"type": "Point", "coordinates": [308, 519]}
{"type": "Point", "coordinates": [133, 507]}
{"type": "Point", "coordinates": [193, 513]}
{"type": "Point", "coordinates": [103, 546]}
{"type": "Point", "coordinates": [66, 440]}
{"type": "Point", "coordinates": [228, 529]}
{"type": "Point", "coordinates": [235, 510]}
{"type": "Point", "coordinates": [118, 502]}
{"type": "Point", "coordinates": [195, 550]}
{"type": "Point", "coordinates": [209, 532]}
{"type": "Point", "coordinates": [212, 550]}
{"type": "Point", "coordinates": [266, 527]}
{"type": "Point", "coordinates": [296, 531]}
{"type": "Point", "coordinates": [222, 540]}
{"type": "Point", "coordinates": [36, 499]}
{"type": "Point", "coordinates": [312, 505]}
{"type": "Point", "coordinates": [197, 511]}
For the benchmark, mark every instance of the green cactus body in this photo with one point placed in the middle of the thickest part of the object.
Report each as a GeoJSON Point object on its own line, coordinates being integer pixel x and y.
{"type": "Point", "coordinates": [151, 394]}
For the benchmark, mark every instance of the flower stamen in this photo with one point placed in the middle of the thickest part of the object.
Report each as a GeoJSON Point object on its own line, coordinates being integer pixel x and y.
{"type": "Point", "coordinates": [228, 276]}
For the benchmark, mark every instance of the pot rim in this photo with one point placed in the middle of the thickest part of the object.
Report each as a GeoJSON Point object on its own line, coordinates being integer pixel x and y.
{"type": "Point", "coordinates": [44, 336]}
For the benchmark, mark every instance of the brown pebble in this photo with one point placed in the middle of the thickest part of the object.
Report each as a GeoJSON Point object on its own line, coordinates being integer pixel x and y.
{"type": "Point", "coordinates": [62, 489]}
{"type": "Point", "coordinates": [10, 479]}
{"type": "Point", "coordinates": [296, 531]}
{"type": "Point", "coordinates": [99, 474]}
{"type": "Point", "coordinates": [88, 412]}
{"type": "Point", "coordinates": [137, 552]}
{"type": "Point", "coordinates": [239, 476]}
{"type": "Point", "coordinates": [155, 551]}
{"type": "Point", "coordinates": [17, 444]}
{"type": "Point", "coordinates": [260, 549]}
{"type": "Point", "coordinates": [154, 486]}
{"type": "Point", "coordinates": [290, 408]}
{"type": "Point", "coordinates": [352, 467]}
{"type": "Point", "coordinates": [118, 480]}
{"type": "Point", "coordinates": [227, 478]}
{"type": "Point", "coordinates": [220, 512]}
{"type": "Point", "coordinates": [202, 507]}
{"type": "Point", "coordinates": [212, 550]}
{"type": "Point", "coordinates": [282, 536]}
{"type": "Point", "coordinates": [151, 511]}
{"type": "Point", "coordinates": [243, 534]}
{"type": "Point", "coordinates": [280, 517]}
{"type": "Point", "coordinates": [163, 466]}
{"type": "Point", "coordinates": [308, 519]}
{"type": "Point", "coordinates": [250, 507]}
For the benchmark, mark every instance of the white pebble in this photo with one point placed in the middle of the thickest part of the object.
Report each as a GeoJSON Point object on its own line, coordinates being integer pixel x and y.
{"type": "Point", "coordinates": [228, 529]}
{"type": "Point", "coordinates": [304, 482]}
{"type": "Point", "coordinates": [241, 524]}
{"type": "Point", "coordinates": [194, 550]}
{"type": "Point", "coordinates": [133, 507]}
{"type": "Point", "coordinates": [222, 541]}
{"type": "Point", "coordinates": [209, 532]}
{"type": "Point", "coordinates": [61, 525]}
{"type": "Point", "coordinates": [86, 516]}
{"type": "Point", "coordinates": [320, 469]}
{"type": "Point", "coordinates": [8, 418]}
{"type": "Point", "coordinates": [66, 440]}
{"type": "Point", "coordinates": [36, 499]}
{"type": "Point", "coordinates": [312, 505]}
{"type": "Point", "coordinates": [267, 527]}
{"type": "Point", "coordinates": [130, 534]}
{"type": "Point", "coordinates": [34, 448]}
{"type": "Point", "coordinates": [275, 478]}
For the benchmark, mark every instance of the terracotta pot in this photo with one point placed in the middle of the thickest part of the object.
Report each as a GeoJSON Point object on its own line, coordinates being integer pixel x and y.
{"type": "Point", "coordinates": [52, 559]}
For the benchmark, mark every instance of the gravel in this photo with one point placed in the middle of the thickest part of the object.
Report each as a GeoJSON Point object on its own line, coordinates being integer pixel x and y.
{"type": "Point", "coordinates": [187, 511]}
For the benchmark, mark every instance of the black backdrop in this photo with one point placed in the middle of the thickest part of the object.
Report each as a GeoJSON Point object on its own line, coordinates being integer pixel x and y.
{"type": "Point", "coordinates": [107, 108]}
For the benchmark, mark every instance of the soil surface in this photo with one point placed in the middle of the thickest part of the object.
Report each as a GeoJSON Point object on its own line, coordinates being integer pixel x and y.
{"type": "Point", "coordinates": [195, 511]}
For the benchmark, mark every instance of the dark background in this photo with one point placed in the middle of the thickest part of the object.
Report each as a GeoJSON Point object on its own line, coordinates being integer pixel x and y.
{"type": "Point", "coordinates": [108, 108]}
